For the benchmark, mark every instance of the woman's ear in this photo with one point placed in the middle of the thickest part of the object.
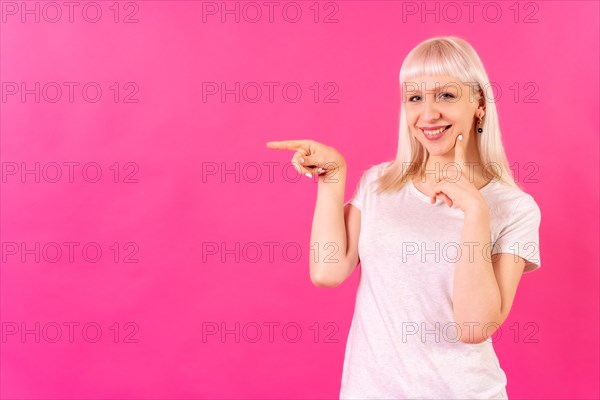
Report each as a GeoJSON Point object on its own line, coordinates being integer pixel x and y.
{"type": "Point", "coordinates": [481, 106]}
{"type": "Point", "coordinates": [480, 112]}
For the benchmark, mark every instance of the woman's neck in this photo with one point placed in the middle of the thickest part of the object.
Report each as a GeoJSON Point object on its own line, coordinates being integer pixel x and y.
{"type": "Point", "coordinates": [473, 171]}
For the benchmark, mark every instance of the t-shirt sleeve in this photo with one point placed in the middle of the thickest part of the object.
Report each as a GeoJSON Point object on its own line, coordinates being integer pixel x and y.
{"type": "Point", "coordinates": [357, 198]}
{"type": "Point", "coordinates": [520, 235]}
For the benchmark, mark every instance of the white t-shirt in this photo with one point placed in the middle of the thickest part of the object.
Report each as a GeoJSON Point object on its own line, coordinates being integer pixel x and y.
{"type": "Point", "coordinates": [403, 342]}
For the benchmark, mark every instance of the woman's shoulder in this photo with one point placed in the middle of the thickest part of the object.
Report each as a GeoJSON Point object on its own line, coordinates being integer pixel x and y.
{"type": "Point", "coordinates": [504, 199]}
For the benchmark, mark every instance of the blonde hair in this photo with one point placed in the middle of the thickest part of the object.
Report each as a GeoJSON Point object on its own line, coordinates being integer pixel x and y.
{"type": "Point", "coordinates": [454, 57]}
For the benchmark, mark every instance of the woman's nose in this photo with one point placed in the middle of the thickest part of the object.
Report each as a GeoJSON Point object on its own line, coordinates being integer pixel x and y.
{"type": "Point", "coordinates": [430, 110]}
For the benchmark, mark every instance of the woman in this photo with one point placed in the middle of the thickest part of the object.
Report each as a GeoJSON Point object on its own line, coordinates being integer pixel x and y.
{"type": "Point", "coordinates": [445, 235]}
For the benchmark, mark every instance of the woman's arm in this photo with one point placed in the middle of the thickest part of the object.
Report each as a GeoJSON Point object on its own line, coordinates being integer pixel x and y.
{"type": "Point", "coordinates": [476, 294]}
{"type": "Point", "coordinates": [334, 234]}
{"type": "Point", "coordinates": [335, 230]}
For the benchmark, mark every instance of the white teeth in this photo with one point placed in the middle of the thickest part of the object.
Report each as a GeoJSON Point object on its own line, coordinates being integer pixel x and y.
{"type": "Point", "coordinates": [433, 133]}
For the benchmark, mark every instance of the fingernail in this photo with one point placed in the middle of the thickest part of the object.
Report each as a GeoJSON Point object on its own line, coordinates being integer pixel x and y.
{"type": "Point", "coordinates": [460, 137]}
{"type": "Point", "coordinates": [301, 159]}
{"type": "Point", "coordinates": [308, 174]}
{"type": "Point", "coordinates": [320, 170]}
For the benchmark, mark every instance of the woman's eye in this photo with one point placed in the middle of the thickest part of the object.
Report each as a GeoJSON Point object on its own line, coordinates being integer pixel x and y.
{"type": "Point", "coordinates": [450, 96]}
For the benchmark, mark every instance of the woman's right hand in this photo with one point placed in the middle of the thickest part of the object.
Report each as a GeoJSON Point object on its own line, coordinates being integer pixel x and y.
{"type": "Point", "coordinates": [311, 157]}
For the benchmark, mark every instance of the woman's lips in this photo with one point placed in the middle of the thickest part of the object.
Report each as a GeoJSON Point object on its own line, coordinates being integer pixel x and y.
{"type": "Point", "coordinates": [439, 135]}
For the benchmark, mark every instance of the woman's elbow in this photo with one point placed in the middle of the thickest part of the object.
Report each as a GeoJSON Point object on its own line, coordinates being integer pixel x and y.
{"type": "Point", "coordinates": [323, 283]}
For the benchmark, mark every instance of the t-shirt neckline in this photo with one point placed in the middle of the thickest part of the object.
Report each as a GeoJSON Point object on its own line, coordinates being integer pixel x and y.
{"type": "Point", "coordinates": [427, 199]}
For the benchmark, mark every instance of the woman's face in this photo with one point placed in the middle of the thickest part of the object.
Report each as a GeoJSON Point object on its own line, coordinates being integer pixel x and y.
{"type": "Point", "coordinates": [437, 102]}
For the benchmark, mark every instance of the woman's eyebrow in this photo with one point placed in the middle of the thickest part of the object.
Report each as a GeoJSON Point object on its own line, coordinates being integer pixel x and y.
{"type": "Point", "coordinates": [437, 89]}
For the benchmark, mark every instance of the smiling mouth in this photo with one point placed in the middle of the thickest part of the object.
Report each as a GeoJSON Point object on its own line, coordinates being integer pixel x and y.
{"type": "Point", "coordinates": [435, 132]}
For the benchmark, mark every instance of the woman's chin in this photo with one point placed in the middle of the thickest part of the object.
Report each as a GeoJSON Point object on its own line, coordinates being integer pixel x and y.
{"type": "Point", "coordinates": [437, 149]}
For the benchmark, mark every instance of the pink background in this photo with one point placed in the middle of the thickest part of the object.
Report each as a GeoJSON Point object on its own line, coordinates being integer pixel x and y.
{"type": "Point", "coordinates": [170, 294]}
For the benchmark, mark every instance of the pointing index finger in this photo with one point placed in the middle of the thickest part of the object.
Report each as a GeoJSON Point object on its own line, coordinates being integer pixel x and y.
{"type": "Point", "coordinates": [286, 144]}
{"type": "Point", "coordinates": [459, 151]}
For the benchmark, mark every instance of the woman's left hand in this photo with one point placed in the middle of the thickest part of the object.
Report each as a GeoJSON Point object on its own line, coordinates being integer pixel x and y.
{"type": "Point", "coordinates": [457, 189]}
